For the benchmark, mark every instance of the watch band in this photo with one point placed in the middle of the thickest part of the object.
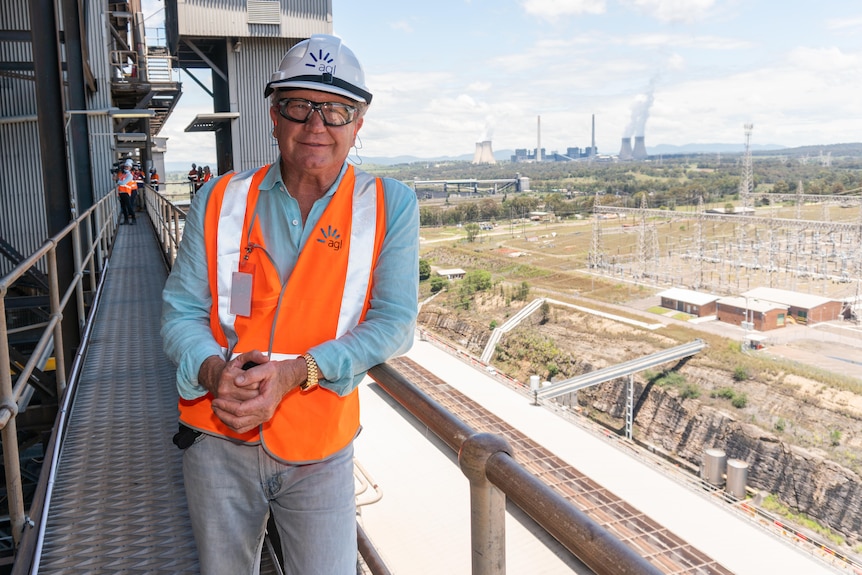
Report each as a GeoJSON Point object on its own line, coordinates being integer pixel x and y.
{"type": "Point", "coordinates": [313, 373]}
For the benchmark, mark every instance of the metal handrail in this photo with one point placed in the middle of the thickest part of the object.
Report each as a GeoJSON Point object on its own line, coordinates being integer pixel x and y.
{"type": "Point", "coordinates": [102, 219]}
{"type": "Point", "coordinates": [494, 475]}
{"type": "Point", "coordinates": [168, 220]}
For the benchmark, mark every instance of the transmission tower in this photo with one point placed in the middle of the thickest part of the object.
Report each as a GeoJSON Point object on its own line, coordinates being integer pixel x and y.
{"type": "Point", "coordinates": [746, 184]}
{"type": "Point", "coordinates": [648, 248]}
{"type": "Point", "coordinates": [699, 255]}
{"type": "Point", "coordinates": [857, 265]}
{"type": "Point", "coordinates": [597, 251]}
{"type": "Point", "coordinates": [799, 200]}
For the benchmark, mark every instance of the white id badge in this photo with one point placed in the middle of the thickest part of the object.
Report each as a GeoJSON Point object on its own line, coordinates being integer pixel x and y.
{"type": "Point", "coordinates": [240, 294]}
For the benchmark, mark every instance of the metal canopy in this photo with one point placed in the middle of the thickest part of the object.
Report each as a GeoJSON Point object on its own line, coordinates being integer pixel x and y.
{"type": "Point", "coordinates": [209, 122]}
{"type": "Point", "coordinates": [621, 370]}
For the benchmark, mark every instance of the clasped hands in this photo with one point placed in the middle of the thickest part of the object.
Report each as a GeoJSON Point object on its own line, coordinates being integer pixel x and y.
{"type": "Point", "coordinates": [245, 399]}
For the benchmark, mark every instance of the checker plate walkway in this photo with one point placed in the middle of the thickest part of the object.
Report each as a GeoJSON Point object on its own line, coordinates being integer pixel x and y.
{"type": "Point", "coordinates": [118, 503]}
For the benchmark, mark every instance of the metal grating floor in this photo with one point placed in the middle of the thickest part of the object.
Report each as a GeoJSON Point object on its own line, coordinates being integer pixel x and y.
{"type": "Point", "coordinates": [119, 504]}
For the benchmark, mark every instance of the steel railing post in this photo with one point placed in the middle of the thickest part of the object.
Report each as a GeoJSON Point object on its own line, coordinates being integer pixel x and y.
{"type": "Point", "coordinates": [79, 275]}
{"type": "Point", "coordinates": [487, 503]}
{"type": "Point", "coordinates": [9, 434]}
{"type": "Point", "coordinates": [56, 311]}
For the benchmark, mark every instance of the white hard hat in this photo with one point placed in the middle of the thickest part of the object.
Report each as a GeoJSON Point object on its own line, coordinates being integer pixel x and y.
{"type": "Point", "coordinates": [321, 63]}
{"type": "Point", "coordinates": [128, 162]}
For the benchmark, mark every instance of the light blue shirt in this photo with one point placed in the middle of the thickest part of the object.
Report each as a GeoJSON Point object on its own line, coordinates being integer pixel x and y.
{"type": "Point", "coordinates": [388, 327]}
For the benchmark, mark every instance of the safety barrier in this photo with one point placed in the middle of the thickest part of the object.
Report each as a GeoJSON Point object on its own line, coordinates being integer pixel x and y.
{"type": "Point", "coordinates": [494, 475]}
{"type": "Point", "coordinates": [92, 235]}
{"type": "Point", "coordinates": [168, 220]}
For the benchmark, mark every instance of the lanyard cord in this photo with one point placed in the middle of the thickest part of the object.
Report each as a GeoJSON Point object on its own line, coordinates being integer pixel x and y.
{"type": "Point", "coordinates": [250, 246]}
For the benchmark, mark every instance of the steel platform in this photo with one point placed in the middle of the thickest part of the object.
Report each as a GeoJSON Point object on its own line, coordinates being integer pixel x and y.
{"type": "Point", "coordinates": [118, 503]}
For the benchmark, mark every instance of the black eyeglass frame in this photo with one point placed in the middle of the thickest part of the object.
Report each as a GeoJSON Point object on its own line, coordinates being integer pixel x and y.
{"type": "Point", "coordinates": [318, 107]}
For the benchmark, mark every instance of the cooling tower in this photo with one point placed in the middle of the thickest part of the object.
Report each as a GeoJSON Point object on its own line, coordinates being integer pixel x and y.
{"type": "Point", "coordinates": [484, 154]}
{"type": "Point", "coordinates": [626, 149]}
{"type": "Point", "coordinates": [639, 152]}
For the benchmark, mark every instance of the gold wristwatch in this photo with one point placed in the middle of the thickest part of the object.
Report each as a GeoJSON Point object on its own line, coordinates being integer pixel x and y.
{"type": "Point", "coordinates": [313, 373]}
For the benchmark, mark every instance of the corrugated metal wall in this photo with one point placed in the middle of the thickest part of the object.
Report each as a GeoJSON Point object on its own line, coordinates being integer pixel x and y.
{"type": "Point", "coordinates": [250, 70]}
{"type": "Point", "coordinates": [22, 195]}
{"type": "Point", "coordinates": [225, 18]}
{"type": "Point", "coordinates": [22, 203]}
{"type": "Point", "coordinates": [101, 143]}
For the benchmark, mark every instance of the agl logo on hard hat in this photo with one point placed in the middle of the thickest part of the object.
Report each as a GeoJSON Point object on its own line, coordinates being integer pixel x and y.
{"type": "Point", "coordinates": [320, 62]}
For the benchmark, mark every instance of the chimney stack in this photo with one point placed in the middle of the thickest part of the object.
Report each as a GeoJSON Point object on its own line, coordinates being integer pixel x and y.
{"type": "Point", "coordinates": [538, 138]}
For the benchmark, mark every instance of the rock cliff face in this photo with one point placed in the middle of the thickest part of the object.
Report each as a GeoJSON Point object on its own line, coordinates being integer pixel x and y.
{"type": "Point", "coordinates": [801, 477]}
{"type": "Point", "coordinates": [685, 428]}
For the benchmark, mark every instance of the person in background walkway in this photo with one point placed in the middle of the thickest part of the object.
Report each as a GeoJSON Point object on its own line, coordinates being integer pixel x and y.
{"type": "Point", "coordinates": [207, 175]}
{"type": "Point", "coordinates": [193, 178]}
{"type": "Point", "coordinates": [154, 179]}
{"type": "Point", "coordinates": [125, 181]}
{"type": "Point", "coordinates": [304, 271]}
{"type": "Point", "coordinates": [138, 191]}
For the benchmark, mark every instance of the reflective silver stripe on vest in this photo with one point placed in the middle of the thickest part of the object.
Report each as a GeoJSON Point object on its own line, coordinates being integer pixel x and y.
{"type": "Point", "coordinates": [359, 261]}
{"type": "Point", "coordinates": [228, 246]}
{"type": "Point", "coordinates": [361, 257]}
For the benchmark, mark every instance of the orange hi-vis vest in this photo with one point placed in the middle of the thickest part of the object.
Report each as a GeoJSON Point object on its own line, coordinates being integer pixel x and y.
{"type": "Point", "coordinates": [327, 294]}
{"type": "Point", "coordinates": [126, 187]}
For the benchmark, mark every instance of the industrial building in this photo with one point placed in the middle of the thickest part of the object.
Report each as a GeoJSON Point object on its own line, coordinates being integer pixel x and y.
{"type": "Point", "coordinates": [101, 81]}
{"type": "Point", "coordinates": [689, 301]}
{"type": "Point", "coordinates": [802, 308]}
{"type": "Point", "coordinates": [751, 313]}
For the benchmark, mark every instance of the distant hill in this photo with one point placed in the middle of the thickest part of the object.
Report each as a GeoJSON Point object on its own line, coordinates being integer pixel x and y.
{"type": "Point", "coordinates": [670, 149]}
{"type": "Point", "coordinates": [848, 149]}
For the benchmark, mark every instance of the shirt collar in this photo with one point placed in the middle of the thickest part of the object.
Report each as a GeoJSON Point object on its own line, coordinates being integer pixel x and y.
{"type": "Point", "coordinates": [273, 179]}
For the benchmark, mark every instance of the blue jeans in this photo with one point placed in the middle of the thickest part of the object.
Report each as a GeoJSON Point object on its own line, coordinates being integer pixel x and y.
{"type": "Point", "coordinates": [231, 489]}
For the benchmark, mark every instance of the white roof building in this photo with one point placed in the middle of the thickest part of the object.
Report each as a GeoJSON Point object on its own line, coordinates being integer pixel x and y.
{"type": "Point", "coordinates": [787, 297]}
{"type": "Point", "coordinates": [689, 296]}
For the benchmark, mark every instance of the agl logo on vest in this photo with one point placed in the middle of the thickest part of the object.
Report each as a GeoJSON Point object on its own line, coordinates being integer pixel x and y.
{"type": "Point", "coordinates": [330, 237]}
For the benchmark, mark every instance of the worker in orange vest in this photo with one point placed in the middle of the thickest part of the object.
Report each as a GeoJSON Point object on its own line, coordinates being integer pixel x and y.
{"type": "Point", "coordinates": [125, 183]}
{"type": "Point", "coordinates": [291, 281]}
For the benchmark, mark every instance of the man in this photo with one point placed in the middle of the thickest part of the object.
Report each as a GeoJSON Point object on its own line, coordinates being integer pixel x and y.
{"type": "Point", "coordinates": [154, 179]}
{"type": "Point", "coordinates": [137, 198]}
{"type": "Point", "coordinates": [307, 268]}
{"type": "Point", "coordinates": [193, 178]}
{"type": "Point", "coordinates": [125, 188]}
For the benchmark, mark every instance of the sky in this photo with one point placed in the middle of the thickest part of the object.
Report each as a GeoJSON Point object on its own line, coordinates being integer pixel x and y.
{"type": "Point", "coordinates": [446, 74]}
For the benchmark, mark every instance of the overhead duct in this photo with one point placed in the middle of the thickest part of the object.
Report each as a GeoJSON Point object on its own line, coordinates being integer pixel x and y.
{"type": "Point", "coordinates": [484, 154]}
{"type": "Point", "coordinates": [639, 152]}
{"type": "Point", "coordinates": [626, 149]}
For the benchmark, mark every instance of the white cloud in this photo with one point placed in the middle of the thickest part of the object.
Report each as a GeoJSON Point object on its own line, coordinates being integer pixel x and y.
{"type": "Point", "coordinates": [844, 23]}
{"type": "Point", "coordinates": [480, 86]}
{"type": "Point", "coordinates": [551, 9]}
{"type": "Point", "coordinates": [675, 10]}
{"type": "Point", "coordinates": [401, 25]}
